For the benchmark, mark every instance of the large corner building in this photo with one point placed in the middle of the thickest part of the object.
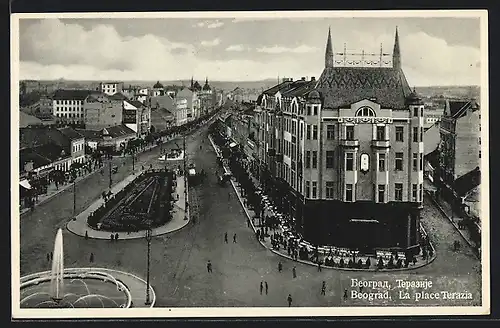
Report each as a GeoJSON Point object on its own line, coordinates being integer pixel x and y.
{"type": "Point", "coordinates": [343, 154]}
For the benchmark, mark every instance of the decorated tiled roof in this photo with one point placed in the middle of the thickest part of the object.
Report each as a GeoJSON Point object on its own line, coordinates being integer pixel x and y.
{"type": "Point", "coordinates": [343, 86]}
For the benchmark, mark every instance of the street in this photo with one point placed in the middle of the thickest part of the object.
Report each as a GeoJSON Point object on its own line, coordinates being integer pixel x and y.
{"type": "Point", "coordinates": [179, 260]}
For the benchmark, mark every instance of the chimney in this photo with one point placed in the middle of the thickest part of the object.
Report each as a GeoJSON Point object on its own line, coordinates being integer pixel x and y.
{"type": "Point", "coordinates": [303, 78]}
{"type": "Point", "coordinates": [313, 78]}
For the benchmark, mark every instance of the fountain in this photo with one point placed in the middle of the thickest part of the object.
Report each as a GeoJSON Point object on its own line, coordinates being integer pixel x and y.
{"type": "Point", "coordinates": [57, 273]}
{"type": "Point", "coordinates": [72, 287]}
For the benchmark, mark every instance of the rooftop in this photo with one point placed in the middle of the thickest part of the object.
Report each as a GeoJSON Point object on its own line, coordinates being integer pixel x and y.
{"type": "Point", "coordinates": [117, 131]}
{"type": "Point", "coordinates": [467, 182]}
{"type": "Point", "coordinates": [63, 94]}
{"type": "Point", "coordinates": [343, 86]}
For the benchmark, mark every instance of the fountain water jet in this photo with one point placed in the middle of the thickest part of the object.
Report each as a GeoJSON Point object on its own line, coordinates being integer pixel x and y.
{"type": "Point", "coordinates": [57, 273]}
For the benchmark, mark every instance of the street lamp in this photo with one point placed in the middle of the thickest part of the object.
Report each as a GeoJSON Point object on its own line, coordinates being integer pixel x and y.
{"type": "Point", "coordinates": [185, 177]}
{"type": "Point", "coordinates": [110, 179]}
{"type": "Point", "coordinates": [149, 236]}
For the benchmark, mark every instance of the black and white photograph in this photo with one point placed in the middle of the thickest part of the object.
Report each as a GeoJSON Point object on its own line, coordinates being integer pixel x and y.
{"type": "Point", "coordinates": [249, 164]}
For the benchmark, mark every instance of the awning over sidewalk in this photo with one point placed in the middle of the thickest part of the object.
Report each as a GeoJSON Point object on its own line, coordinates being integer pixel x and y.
{"type": "Point", "coordinates": [25, 183]}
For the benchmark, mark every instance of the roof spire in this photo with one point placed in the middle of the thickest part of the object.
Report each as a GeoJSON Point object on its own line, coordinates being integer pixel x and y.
{"type": "Point", "coordinates": [329, 50]}
{"type": "Point", "coordinates": [396, 53]}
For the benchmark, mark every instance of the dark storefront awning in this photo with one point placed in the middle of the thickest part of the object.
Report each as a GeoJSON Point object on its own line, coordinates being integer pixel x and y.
{"type": "Point", "coordinates": [25, 184]}
{"type": "Point", "coordinates": [232, 144]}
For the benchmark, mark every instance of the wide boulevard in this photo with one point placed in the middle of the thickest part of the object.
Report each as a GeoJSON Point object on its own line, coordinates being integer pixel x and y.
{"type": "Point", "coordinates": [178, 266]}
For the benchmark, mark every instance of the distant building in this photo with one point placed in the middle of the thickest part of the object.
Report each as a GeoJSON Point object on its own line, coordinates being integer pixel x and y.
{"type": "Point", "coordinates": [137, 117]}
{"type": "Point", "coordinates": [460, 147]}
{"type": "Point", "coordinates": [187, 105]}
{"type": "Point", "coordinates": [72, 143]}
{"type": "Point", "coordinates": [110, 88]}
{"type": "Point", "coordinates": [116, 137]}
{"type": "Point", "coordinates": [163, 110]}
{"type": "Point", "coordinates": [101, 111]}
{"type": "Point", "coordinates": [68, 106]}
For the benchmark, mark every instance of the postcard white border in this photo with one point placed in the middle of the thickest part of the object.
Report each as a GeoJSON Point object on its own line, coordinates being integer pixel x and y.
{"type": "Point", "coordinates": [484, 309]}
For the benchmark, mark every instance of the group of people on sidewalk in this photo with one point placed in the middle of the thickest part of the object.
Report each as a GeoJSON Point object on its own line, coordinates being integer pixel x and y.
{"type": "Point", "coordinates": [226, 240]}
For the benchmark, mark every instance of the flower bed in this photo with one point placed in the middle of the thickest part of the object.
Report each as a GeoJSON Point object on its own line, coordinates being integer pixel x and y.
{"type": "Point", "coordinates": [147, 202]}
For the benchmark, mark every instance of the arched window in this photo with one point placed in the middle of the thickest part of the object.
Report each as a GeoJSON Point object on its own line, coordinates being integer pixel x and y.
{"type": "Point", "coordinates": [365, 111]}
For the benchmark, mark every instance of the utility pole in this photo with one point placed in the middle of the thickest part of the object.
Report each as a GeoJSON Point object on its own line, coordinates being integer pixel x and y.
{"type": "Point", "coordinates": [74, 197]}
{"type": "Point", "coordinates": [149, 236]}
{"type": "Point", "coordinates": [185, 177]}
{"type": "Point", "coordinates": [110, 179]}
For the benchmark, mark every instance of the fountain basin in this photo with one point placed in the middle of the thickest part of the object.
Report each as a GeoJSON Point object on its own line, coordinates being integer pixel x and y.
{"type": "Point", "coordinates": [83, 288]}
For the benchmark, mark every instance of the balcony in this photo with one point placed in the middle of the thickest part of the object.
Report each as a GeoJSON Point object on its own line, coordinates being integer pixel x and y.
{"type": "Point", "coordinates": [381, 143]}
{"type": "Point", "coordinates": [349, 143]}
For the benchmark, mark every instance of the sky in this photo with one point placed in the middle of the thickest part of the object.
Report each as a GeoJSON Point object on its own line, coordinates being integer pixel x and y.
{"type": "Point", "coordinates": [435, 51]}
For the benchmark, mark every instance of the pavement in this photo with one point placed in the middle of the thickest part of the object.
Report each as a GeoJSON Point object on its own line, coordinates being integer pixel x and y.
{"type": "Point", "coordinates": [179, 260]}
{"type": "Point", "coordinates": [323, 250]}
{"type": "Point", "coordinates": [79, 225]}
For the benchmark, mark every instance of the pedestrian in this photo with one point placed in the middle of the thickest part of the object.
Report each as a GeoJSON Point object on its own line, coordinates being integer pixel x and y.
{"type": "Point", "coordinates": [234, 238]}
{"type": "Point", "coordinates": [289, 299]}
{"type": "Point", "coordinates": [228, 196]}
{"type": "Point", "coordinates": [294, 272]}
{"type": "Point", "coordinates": [225, 237]}
{"type": "Point", "coordinates": [267, 288]}
{"type": "Point", "coordinates": [209, 266]}
{"type": "Point", "coordinates": [48, 257]}
{"type": "Point", "coordinates": [280, 266]}
{"type": "Point", "coordinates": [345, 294]}
{"type": "Point", "coordinates": [116, 236]}
{"type": "Point", "coordinates": [51, 255]}
{"type": "Point", "coordinates": [319, 266]}
{"type": "Point", "coordinates": [86, 235]}
{"type": "Point", "coordinates": [323, 288]}
{"type": "Point", "coordinates": [112, 237]}
{"type": "Point", "coordinates": [261, 287]}
{"type": "Point", "coordinates": [91, 259]}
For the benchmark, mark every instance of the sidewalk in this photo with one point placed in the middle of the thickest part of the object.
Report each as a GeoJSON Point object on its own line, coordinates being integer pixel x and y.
{"type": "Point", "coordinates": [322, 251]}
{"type": "Point", "coordinates": [79, 225]}
{"type": "Point", "coordinates": [52, 191]}
{"type": "Point", "coordinates": [447, 211]}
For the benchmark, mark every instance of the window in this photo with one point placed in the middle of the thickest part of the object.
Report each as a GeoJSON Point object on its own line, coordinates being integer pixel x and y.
{"type": "Point", "coordinates": [381, 193]}
{"type": "Point", "coordinates": [329, 189]}
{"type": "Point", "coordinates": [399, 162]}
{"type": "Point", "coordinates": [349, 162]}
{"type": "Point", "coordinates": [301, 131]}
{"type": "Point", "coordinates": [415, 134]}
{"type": "Point", "coordinates": [308, 110]}
{"type": "Point", "coordinates": [365, 111]}
{"type": "Point", "coordinates": [380, 132]}
{"type": "Point", "coordinates": [308, 189]}
{"type": "Point", "coordinates": [315, 110]}
{"type": "Point", "coordinates": [414, 192]}
{"type": "Point", "coordinates": [421, 161]}
{"type": "Point", "coordinates": [314, 189]}
{"type": "Point", "coordinates": [421, 134]}
{"type": "Point", "coordinates": [308, 131]}
{"type": "Point", "coordinates": [330, 132]}
{"type": "Point", "coordinates": [348, 192]}
{"type": "Point", "coordinates": [329, 159]}
{"type": "Point", "coordinates": [381, 162]}
{"type": "Point", "coordinates": [415, 111]}
{"type": "Point", "coordinates": [349, 132]}
{"type": "Point", "coordinates": [315, 132]}
{"type": "Point", "coordinates": [420, 192]}
{"type": "Point", "coordinates": [421, 111]}
{"type": "Point", "coordinates": [398, 192]}
{"type": "Point", "coordinates": [399, 133]}
{"type": "Point", "coordinates": [415, 161]}
{"type": "Point", "coordinates": [314, 159]}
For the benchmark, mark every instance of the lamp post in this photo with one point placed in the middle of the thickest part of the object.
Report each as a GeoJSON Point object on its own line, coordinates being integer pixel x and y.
{"type": "Point", "coordinates": [149, 236]}
{"type": "Point", "coordinates": [110, 179]}
{"type": "Point", "coordinates": [185, 177]}
{"type": "Point", "coordinates": [74, 196]}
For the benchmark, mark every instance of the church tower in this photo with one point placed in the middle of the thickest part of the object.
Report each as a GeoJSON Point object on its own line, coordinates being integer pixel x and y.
{"type": "Point", "coordinates": [396, 54]}
{"type": "Point", "coordinates": [329, 51]}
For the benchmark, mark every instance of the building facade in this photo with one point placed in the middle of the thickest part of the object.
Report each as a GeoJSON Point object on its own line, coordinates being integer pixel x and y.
{"type": "Point", "coordinates": [68, 106]}
{"type": "Point", "coordinates": [460, 146]}
{"type": "Point", "coordinates": [343, 154]}
{"type": "Point", "coordinates": [101, 111]}
{"type": "Point", "coordinates": [110, 88]}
